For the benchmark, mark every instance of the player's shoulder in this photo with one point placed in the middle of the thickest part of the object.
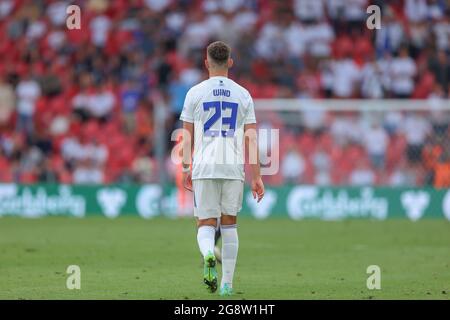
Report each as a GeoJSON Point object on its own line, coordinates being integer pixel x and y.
{"type": "Point", "coordinates": [195, 93]}
{"type": "Point", "coordinates": [245, 93]}
{"type": "Point", "coordinates": [194, 90]}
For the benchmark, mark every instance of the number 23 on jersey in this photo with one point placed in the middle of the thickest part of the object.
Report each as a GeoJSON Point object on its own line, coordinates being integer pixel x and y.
{"type": "Point", "coordinates": [230, 121]}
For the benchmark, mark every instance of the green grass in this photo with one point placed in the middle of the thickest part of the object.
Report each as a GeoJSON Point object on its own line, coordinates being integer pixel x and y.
{"type": "Point", "coordinates": [132, 258]}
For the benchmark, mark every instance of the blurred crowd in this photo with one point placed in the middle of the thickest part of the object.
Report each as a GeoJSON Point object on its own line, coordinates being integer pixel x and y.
{"type": "Point", "coordinates": [390, 148]}
{"type": "Point", "coordinates": [88, 105]}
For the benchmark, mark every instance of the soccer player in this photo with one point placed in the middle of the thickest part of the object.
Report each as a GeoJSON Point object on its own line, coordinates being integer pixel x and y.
{"type": "Point", "coordinates": [218, 121]}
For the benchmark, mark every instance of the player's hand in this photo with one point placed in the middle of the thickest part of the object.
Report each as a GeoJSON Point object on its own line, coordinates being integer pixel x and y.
{"type": "Point", "coordinates": [257, 189]}
{"type": "Point", "coordinates": [187, 181]}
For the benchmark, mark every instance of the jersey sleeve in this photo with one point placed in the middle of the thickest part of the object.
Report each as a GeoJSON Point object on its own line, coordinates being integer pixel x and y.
{"type": "Point", "coordinates": [250, 116]}
{"type": "Point", "coordinates": [187, 114]}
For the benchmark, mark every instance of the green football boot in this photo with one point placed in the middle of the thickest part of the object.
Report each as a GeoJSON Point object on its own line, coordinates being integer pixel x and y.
{"type": "Point", "coordinates": [210, 272]}
{"type": "Point", "coordinates": [226, 290]}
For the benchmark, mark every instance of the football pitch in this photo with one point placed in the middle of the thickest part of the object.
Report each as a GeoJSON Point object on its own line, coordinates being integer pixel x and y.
{"type": "Point", "coordinates": [133, 258]}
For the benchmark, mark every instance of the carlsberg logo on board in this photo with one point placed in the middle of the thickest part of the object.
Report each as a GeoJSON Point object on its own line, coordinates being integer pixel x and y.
{"type": "Point", "coordinates": [147, 201]}
{"type": "Point", "coordinates": [263, 209]}
{"type": "Point", "coordinates": [446, 205]}
{"type": "Point", "coordinates": [23, 201]}
{"type": "Point", "coordinates": [111, 200]}
{"type": "Point", "coordinates": [311, 202]}
{"type": "Point", "coordinates": [415, 203]}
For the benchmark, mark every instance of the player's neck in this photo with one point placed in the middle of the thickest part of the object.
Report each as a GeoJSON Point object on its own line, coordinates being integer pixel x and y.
{"type": "Point", "coordinates": [218, 73]}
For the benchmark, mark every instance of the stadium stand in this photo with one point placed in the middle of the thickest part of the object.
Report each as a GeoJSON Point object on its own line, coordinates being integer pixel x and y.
{"type": "Point", "coordinates": [79, 106]}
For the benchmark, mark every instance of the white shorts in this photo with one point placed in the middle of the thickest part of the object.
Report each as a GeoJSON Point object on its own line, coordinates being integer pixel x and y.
{"type": "Point", "coordinates": [212, 197]}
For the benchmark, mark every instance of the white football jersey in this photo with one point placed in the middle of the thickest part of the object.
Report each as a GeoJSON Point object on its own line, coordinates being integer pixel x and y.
{"type": "Point", "coordinates": [219, 108]}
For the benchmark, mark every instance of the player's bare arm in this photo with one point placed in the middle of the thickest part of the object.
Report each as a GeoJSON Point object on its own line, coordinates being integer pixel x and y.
{"type": "Point", "coordinates": [188, 145]}
{"type": "Point", "coordinates": [251, 146]}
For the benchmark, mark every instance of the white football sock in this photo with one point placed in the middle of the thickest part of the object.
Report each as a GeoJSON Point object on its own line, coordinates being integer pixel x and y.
{"type": "Point", "coordinates": [230, 245]}
{"type": "Point", "coordinates": [205, 239]}
{"type": "Point", "coordinates": [218, 224]}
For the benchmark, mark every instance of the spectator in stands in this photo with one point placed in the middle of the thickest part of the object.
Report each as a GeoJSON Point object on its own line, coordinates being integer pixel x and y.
{"type": "Point", "coordinates": [6, 7]}
{"type": "Point", "coordinates": [42, 141]}
{"type": "Point", "coordinates": [419, 38]}
{"type": "Point", "coordinates": [435, 9]}
{"type": "Point", "coordinates": [355, 13]}
{"type": "Point", "coordinates": [362, 175]}
{"type": "Point", "coordinates": [157, 5]}
{"type": "Point", "coordinates": [309, 11]}
{"type": "Point", "coordinates": [45, 173]}
{"type": "Point", "coordinates": [441, 31]}
{"type": "Point", "coordinates": [100, 27]}
{"type": "Point", "coordinates": [342, 129]}
{"type": "Point", "coordinates": [96, 152]}
{"type": "Point", "coordinates": [439, 117]}
{"type": "Point", "coordinates": [56, 12]}
{"type": "Point", "coordinates": [143, 169]}
{"type": "Point", "coordinates": [178, 90]}
{"type": "Point", "coordinates": [81, 100]}
{"type": "Point", "coordinates": [439, 65]}
{"type": "Point", "coordinates": [416, 129]}
{"type": "Point", "coordinates": [322, 166]}
{"type": "Point", "coordinates": [101, 103]}
{"type": "Point", "coordinates": [59, 125]}
{"type": "Point", "coordinates": [442, 170]}
{"type": "Point", "coordinates": [372, 80]}
{"type": "Point", "coordinates": [402, 175]}
{"type": "Point", "coordinates": [292, 166]}
{"type": "Point", "coordinates": [130, 98]}
{"type": "Point", "coordinates": [431, 155]}
{"type": "Point", "coordinates": [376, 141]}
{"type": "Point", "coordinates": [416, 10]}
{"type": "Point", "coordinates": [403, 70]}
{"type": "Point", "coordinates": [7, 101]}
{"type": "Point", "coordinates": [86, 172]}
{"type": "Point", "coordinates": [319, 38]}
{"type": "Point", "coordinates": [346, 76]}
{"type": "Point", "coordinates": [391, 35]}
{"type": "Point", "coordinates": [392, 122]}
{"type": "Point", "coordinates": [31, 157]}
{"type": "Point", "coordinates": [28, 91]}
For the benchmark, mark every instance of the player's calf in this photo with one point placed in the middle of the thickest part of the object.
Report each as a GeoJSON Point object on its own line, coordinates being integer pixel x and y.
{"type": "Point", "coordinates": [205, 238]}
{"type": "Point", "coordinates": [230, 245]}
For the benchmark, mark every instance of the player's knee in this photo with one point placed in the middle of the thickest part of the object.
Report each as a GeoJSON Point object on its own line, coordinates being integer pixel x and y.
{"type": "Point", "coordinates": [207, 222]}
{"type": "Point", "coordinates": [227, 220]}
